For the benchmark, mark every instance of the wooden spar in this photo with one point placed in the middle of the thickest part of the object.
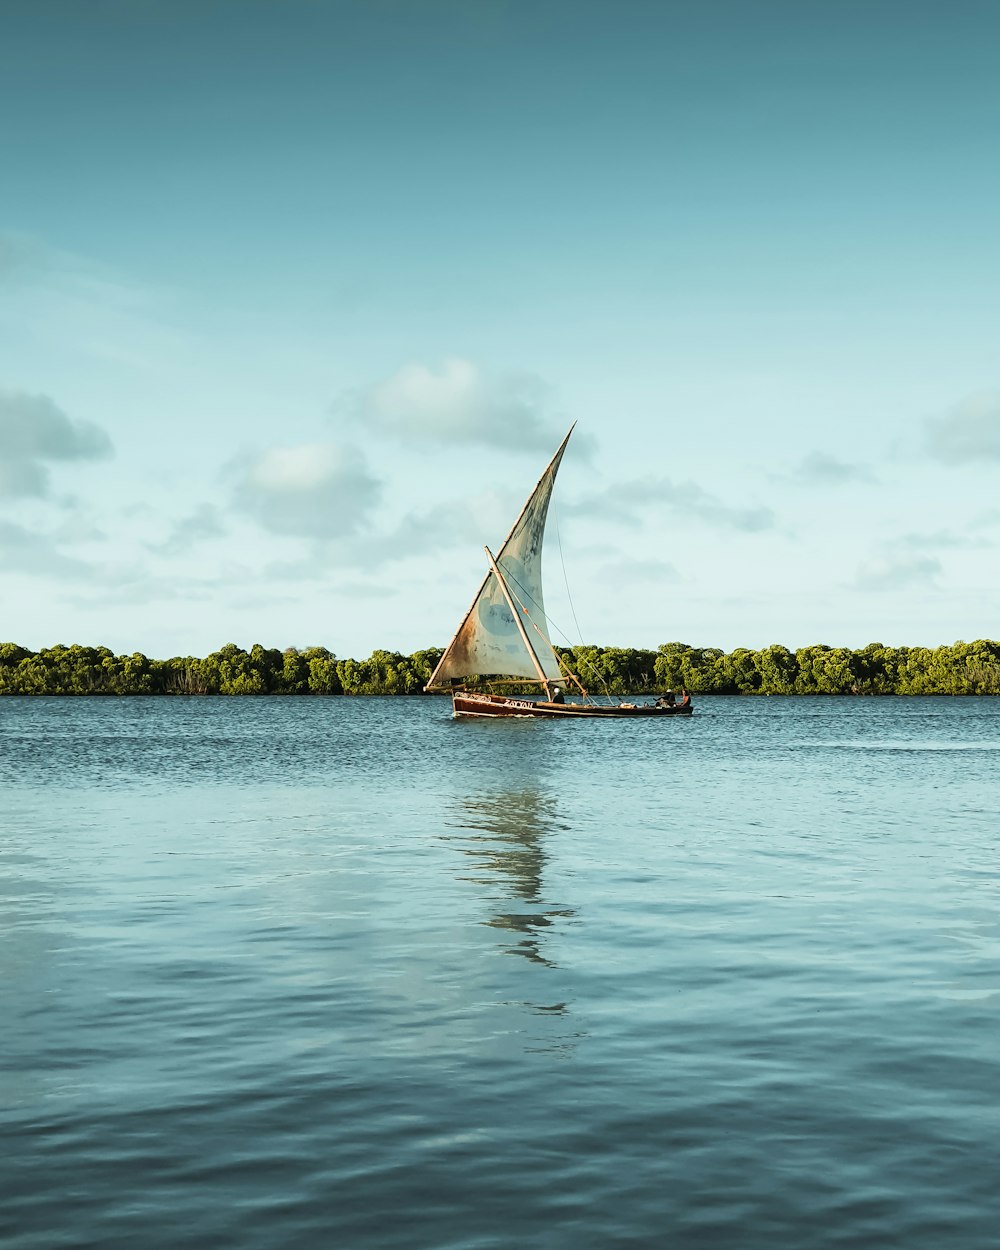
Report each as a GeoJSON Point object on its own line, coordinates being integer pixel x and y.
{"type": "Point", "coordinates": [432, 684]}
{"type": "Point", "coordinates": [517, 620]}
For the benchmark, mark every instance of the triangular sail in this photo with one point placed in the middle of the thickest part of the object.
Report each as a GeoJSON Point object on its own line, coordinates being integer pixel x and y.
{"type": "Point", "coordinates": [488, 640]}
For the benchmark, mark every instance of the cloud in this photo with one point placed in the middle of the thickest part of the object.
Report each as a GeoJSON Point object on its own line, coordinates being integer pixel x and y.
{"type": "Point", "coordinates": [417, 534]}
{"type": "Point", "coordinates": [631, 572]}
{"type": "Point", "coordinates": [21, 256]}
{"type": "Point", "coordinates": [898, 573]}
{"type": "Point", "coordinates": [131, 585]}
{"type": "Point", "coordinates": [34, 433]}
{"type": "Point", "coordinates": [459, 524]}
{"type": "Point", "coordinates": [315, 490]}
{"type": "Point", "coordinates": [969, 433]}
{"type": "Point", "coordinates": [463, 524]}
{"type": "Point", "coordinates": [939, 540]}
{"type": "Point", "coordinates": [23, 551]}
{"type": "Point", "coordinates": [307, 570]}
{"type": "Point", "coordinates": [203, 524]}
{"type": "Point", "coordinates": [630, 501]}
{"type": "Point", "coordinates": [460, 404]}
{"type": "Point", "coordinates": [819, 468]}
{"type": "Point", "coordinates": [63, 302]}
{"type": "Point", "coordinates": [78, 524]}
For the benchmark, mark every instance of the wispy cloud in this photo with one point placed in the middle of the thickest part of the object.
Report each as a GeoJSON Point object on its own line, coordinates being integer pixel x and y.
{"type": "Point", "coordinates": [26, 551]}
{"type": "Point", "coordinates": [819, 468]}
{"type": "Point", "coordinates": [969, 433]}
{"type": "Point", "coordinates": [69, 302]}
{"type": "Point", "coordinates": [416, 535]}
{"type": "Point", "coordinates": [630, 502]}
{"type": "Point", "coordinates": [314, 490]}
{"type": "Point", "coordinates": [135, 585]}
{"type": "Point", "coordinates": [34, 433]}
{"type": "Point", "coordinates": [459, 403]}
{"type": "Point", "coordinates": [322, 567]}
{"type": "Point", "coordinates": [939, 540]}
{"type": "Point", "coordinates": [898, 573]}
{"type": "Point", "coordinates": [202, 525]}
{"type": "Point", "coordinates": [636, 572]}
{"type": "Point", "coordinates": [21, 257]}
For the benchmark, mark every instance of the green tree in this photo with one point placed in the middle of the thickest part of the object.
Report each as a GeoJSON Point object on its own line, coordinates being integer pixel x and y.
{"type": "Point", "coordinates": [669, 665]}
{"type": "Point", "coordinates": [742, 673]}
{"type": "Point", "coordinates": [294, 672]}
{"type": "Point", "coordinates": [778, 670]}
{"type": "Point", "coordinates": [323, 677]}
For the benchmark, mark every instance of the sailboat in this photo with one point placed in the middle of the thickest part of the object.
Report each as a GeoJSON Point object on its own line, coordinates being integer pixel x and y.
{"type": "Point", "coordinates": [505, 634]}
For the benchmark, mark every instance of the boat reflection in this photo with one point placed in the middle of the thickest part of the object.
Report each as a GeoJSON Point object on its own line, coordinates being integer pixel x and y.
{"type": "Point", "coordinates": [504, 836]}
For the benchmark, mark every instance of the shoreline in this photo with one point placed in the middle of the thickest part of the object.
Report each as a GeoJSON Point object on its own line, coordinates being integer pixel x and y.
{"type": "Point", "coordinates": [961, 668]}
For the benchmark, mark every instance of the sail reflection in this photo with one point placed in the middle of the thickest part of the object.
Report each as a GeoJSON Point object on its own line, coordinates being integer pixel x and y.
{"type": "Point", "coordinates": [505, 835]}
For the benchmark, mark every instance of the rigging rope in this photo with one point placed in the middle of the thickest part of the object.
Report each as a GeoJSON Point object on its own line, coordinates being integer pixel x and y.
{"type": "Point", "coordinates": [509, 576]}
{"type": "Point", "coordinates": [572, 609]}
{"type": "Point", "coordinates": [579, 632]}
{"type": "Point", "coordinates": [563, 667]}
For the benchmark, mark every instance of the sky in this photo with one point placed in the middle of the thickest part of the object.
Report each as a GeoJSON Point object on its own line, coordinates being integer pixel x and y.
{"type": "Point", "coordinates": [297, 299]}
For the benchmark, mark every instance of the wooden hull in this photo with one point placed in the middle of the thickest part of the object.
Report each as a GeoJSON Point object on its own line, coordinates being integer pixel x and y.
{"type": "Point", "coordinates": [469, 703]}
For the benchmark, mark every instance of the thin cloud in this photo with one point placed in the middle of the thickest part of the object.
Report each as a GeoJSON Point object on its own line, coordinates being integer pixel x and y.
{"type": "Point", "coordinates": [128, 586]}
{"type": "Point", "coordinates": [460, 404]}
{"type": "Point", "coordinates": [464, 524]}
{"type": "Point", "coordinates": [898, 573]}
{"type": "Point", "coordinates": [630, 503]}
{"type": "Point", "coordinates": [31, 262]}
{"type": "Point", "coordinates": [201, 526]}
{"type": "Point", "coordinates": [35, 554]}
{"type": "Point", "coordinates": [65, 301]}
{"type": "Point", "coordinates": [321, 566]}
{"type": "Point", "coordinates": [819, 468]}
{"type": "Point", "coordinates": [316, 490]}
{"type": "Point", "coordinates": [636, 572]}
{"type": "Point", "coordinates": [21, 256]}
{"type": "Point", "coordinates": [939, 540]}
{"type": "Point", "coordinates": [416, 535]}
{"type": "Point", "coordinates": [34, 433]}
{"type": "Point", "coordinates": [968, 434]}
{"type": "Point", "coordinates": [77, 525]}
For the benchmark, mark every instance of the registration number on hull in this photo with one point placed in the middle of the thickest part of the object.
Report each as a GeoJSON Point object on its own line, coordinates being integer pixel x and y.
{"type": "Point", "coordinates": [519, 704]}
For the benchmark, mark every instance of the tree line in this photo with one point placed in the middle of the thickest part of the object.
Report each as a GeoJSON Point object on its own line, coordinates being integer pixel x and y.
{"type": "Point", "coordinates": [960, 669]}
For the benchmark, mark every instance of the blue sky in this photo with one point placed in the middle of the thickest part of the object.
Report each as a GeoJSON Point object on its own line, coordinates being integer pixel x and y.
{"type": "Point", "coordinates": [296, 299]}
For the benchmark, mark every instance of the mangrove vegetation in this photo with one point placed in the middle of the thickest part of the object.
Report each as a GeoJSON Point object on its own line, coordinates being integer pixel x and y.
{"type": "Point", "coordinates": [964, 668]}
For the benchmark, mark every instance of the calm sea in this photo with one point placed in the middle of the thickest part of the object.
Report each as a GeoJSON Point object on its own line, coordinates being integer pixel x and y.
{"type": "Point", "coordinates": [346, 973]}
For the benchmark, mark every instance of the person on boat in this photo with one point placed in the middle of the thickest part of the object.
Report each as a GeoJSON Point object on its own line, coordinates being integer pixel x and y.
{"type": "Point", "coordinates": [685, 699]}
{"type": "Point", "coordinates": [665, 700]}
{"type": "Point", "coordinates": [557, 695]}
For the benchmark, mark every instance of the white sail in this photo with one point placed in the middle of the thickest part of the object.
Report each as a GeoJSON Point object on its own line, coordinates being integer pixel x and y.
{"type": "Point", "coordinates": [488, 641]}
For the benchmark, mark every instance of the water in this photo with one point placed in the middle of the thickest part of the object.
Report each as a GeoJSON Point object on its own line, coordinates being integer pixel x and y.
{"type": "Point", "coordinates": [309, 973]}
